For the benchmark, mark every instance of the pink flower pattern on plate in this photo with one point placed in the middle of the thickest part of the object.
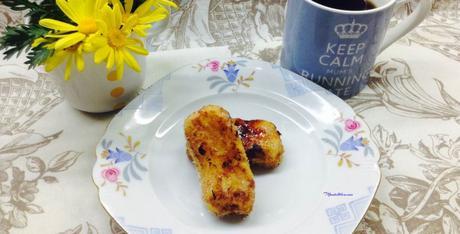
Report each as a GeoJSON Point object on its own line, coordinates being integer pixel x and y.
{"type": "Point", "coordinates": [111, 174]}
{"type": "Point", "coordinates": [351, 125]}
{"type": "Point", "coordinates": [214, 65]}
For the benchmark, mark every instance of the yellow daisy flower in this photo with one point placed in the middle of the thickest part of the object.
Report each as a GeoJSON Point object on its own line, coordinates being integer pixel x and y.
{"type": "Point", "coordinates": [114, 44]}
{"type": "Point", "coordinates": [142, 18]}
{"type": "Point", "coordinates": [72, 54]}
{"type": "Point", "coordinates": [84, 13]}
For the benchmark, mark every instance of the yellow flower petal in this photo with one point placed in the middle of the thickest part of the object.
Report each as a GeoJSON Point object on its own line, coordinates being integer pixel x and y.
{"type": "Point", "coordinates": [56, 35]}
{"type": "Point", "coordinates": [117, 14]}
{"type": "Point", "coordinates": [144, 7]}
{"type": "Point", "coordinates": [100, 41]}
{"type": "Point", "coordinates": [159, 12]}
{"type": "Point", "coordinates": [57, 25]}
{"type": "Point", "coordinates": [69, 40]}
{"type": "Point", "coordinates": [111, 59]}
{"type": "Point", "coordinates": [137, 49]}
{"type": "Point", "coordinates": [130, 23]}
{"type": "Point", "coordinates": [88, 8]}
{"type": "Point", "coordinates": [131, 61]}
{"type": "Point", "coordinates": [78, 6]}
{"type": "Point", "coordinates": [167, 3]}
{"type": "Point", "coordinates": [38, 41]}
{"type": "Point", "coordinates": [152, 18]}
{"type": "Point", "coordinates": [101, 54]}
{"type": "Point", "coordinates": [55, 60]}
{"type": "Point", "coordinates": [79, 61]}
{"type": "Point", "coordinates": [97, 41]}
{"type": "Point", "coordinates": [120, 65]}
{"type": "Point", "coordinates": [80, 49]}
{"type": "Point", "coordinates": [128, 6]}
{"type": "Point", "coordinates": [68, 68]}
{"type": "Point", "coordinates": [102, 26]}
{"type": "Point", "coordinates": [87, 45]}
{"type": "Point", "coordinates": [141, 29]}
{"type": "Point", "coordinates": [116, 2]}
{"type": "Point", "coordinates": [50, 46]}
{"type": "Point", "coordinates": [68, 11]}
{"type": "Point", "coordinates": [109, 17]}
{"type": "Point", "coordinates": [99, 4]}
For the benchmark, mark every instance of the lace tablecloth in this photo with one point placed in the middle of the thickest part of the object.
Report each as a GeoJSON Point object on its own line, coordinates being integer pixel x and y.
{"type": "Point", "coordinates": [412, 105]}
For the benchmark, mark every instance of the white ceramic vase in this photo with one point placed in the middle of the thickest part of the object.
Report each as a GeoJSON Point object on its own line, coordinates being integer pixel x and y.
{"type": "Point", "coordinates": [96, 89]}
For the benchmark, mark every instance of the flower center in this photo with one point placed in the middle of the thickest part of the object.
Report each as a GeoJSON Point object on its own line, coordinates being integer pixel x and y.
{"type": "Point", "coordinates": [73, 48]}
{"type": "Point", "coordinates": [87, 26]}
{"type": "Point", "coordinates": [117, 38]}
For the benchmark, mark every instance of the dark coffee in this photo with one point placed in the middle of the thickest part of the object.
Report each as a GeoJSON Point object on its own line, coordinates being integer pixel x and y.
{"type": "Point", "coordinates": [350, 5]}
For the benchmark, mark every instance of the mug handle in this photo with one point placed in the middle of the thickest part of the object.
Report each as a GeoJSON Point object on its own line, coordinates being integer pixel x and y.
{"type": "Point", "coordinates": [412, 21]}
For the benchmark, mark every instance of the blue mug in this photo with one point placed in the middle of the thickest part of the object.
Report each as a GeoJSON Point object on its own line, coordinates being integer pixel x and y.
{"type": "Point", "coordinates": [337, 48]}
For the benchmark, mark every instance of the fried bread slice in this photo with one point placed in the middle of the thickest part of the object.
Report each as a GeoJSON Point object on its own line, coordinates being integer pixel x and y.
{"type": "Point", "coordinates": [261, 141]}
{"type": "Point", "coordinates": [216, 150]}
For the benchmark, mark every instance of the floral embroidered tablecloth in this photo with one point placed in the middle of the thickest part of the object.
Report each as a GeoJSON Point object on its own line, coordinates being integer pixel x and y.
{"type": "Point", "coordinates": [412, 106]}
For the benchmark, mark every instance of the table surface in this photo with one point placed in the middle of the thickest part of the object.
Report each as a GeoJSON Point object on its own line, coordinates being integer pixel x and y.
{"type": "Point", "coordinates": [412, 106]}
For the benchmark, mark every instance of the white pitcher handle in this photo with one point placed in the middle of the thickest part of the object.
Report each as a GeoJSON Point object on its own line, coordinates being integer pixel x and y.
{"type": "Point", "coordinates": [405, 26]}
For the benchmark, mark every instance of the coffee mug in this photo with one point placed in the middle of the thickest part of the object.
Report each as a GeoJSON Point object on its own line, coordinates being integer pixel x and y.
{"type": "Point", "coordinates": [337, 48]}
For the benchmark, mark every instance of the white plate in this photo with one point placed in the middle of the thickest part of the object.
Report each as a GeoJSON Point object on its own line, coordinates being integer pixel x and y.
{"type": "Point", "coordinates": [324, 185]}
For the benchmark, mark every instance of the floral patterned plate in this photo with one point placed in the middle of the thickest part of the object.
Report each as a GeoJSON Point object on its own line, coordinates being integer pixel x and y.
{"type": "Point", "coordinates": [324, 185]}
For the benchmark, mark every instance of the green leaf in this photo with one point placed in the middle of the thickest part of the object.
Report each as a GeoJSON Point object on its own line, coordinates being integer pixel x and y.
{"type": "Point", "coordinates": [339, 131]}
{"type": "Point", "coordinates": [139, 165]}
{"type": "Point", "coordinates": [38, 56]}
{"type": "Point", "coordinates": [217, 83]}
{"type": "Point", "coordinates": [331, 143]}
{"type": "Point", "coordinates": [126, 172]}
{"type": "Point", "coordinates": [224, 87]}
{"type": "Point", "coordinates": [133, 172]}
{"type": "Point", "coordinates": [213, 78]}
{"type": "Point", "coordinates": [16, 40]}
{"type": "Point", "coordinates": [366, 151]}
{"type": "Point", "coordinates": [335, 136]}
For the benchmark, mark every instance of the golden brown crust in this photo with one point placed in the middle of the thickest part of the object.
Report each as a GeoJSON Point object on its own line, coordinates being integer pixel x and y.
{"type": "Point", "coordinates": [262, 142]}
{"type": "Point", "coordinates": [214, 146]}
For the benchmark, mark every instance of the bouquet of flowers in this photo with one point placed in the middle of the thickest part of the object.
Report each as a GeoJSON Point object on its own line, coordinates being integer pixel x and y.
{"type": "Point", "coordinates": [64, 30]}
